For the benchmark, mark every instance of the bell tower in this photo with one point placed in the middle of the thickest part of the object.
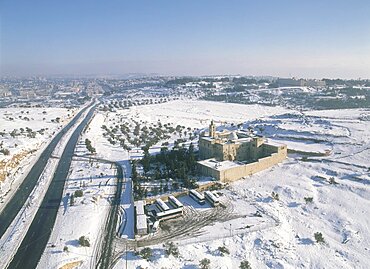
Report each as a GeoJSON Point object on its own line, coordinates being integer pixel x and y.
{"type": "Point", "coordinates": [212, 130]}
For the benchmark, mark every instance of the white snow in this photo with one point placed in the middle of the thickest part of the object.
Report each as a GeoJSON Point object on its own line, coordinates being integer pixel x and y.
{"type": "Point", "coordinates": [12, 238]}
{"type": "Point", "coordinates": [339, 211]}
{"type": "Point", "coordinates": [284, 236]}
{"type": "Point", "coordinates": [28, 148]}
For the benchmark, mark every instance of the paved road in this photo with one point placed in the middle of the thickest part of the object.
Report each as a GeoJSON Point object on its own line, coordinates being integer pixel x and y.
{"type": "Point", "coordinates": [12, 208]}
{"type": "Point", "coordinates": [110, 229]}
{"type": "Point", "coordinates": [35, 241]}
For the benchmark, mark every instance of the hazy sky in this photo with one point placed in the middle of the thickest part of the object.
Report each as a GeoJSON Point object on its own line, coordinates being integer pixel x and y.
{"type": "Point", "coordinates": [313, 38]}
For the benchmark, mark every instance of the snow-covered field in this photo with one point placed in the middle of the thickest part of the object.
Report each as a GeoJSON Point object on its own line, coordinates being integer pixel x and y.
{"type": "Point", "coordinates": [11, 240]}
{"type": "Point", "coordinates": [87, 215]}
{"type": "Point", "coordinates": [25, 132]}
{"type": "Point", "coordinates": [339, 211]}
{"type": "Point", "coordinates": [198, 114]}
{"type": "Point", "coordinates": [284, 236]}
{"type": "Point", "coordinates": [40, 120]}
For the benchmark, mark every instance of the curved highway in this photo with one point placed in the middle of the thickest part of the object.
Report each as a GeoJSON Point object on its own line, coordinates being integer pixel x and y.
{"type": "Point", "coordinates": [37, 236]}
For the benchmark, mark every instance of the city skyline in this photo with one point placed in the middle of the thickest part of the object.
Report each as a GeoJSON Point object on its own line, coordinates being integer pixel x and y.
{"type": "Point", "coordinates": [285, 38]}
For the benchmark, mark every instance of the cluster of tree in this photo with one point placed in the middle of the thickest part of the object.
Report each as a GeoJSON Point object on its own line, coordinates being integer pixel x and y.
{"type": "Point", "coordinates": [124, 104]}
{"type": "Point", "coordinates": [206, 264]}
{"type": "Point", "coordinates": [178, 164]}
{"type": "Point", "coordinates": [238, 88]}
{"type": "Point", "coordinates": [14, 133]}
{"type": "Point", "coordinates": [321, 99]}
{"type": "Point", "coordinates": [28, 132]}
{"type": "Point", "coordinates": [238, 98]}
{"type": "Point", "coordinates": [343, 102]}
{"type": "Point", "coordinates": [181, 81]}
{"type": "Point", "coordinates": [171, 249]}
{"type": "Point", "coordinates": [248, 81]}
{"type": "Point", "coordinates": [206, 81]}
{"type": "Point", "coordinates": [84, 99]}
{"type": "Point", "coordinates": [57, 120]}
{"type": "Point", "coordinates": [139, 191]}
{"type": "Point", "coordinates": [349, 83]}
{"type": "Point", "coordinates": [145, 253]}
{"type": "Point", "coordinates": [145, 136]}
{"type": "Point", "coordinates": [24, 118]}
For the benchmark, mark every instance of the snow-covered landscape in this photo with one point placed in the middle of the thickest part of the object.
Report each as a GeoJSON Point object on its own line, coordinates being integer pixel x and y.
{"type": "Point", "coordinates": [184, 134]}
{"type": "Point", "coordinates": [326, 193]}
{"type": "Point", "coordinates": [25, 132]}
{"type": "Point", "coordinates": [12, 238]}
{"type": "Point", "coordinates": [338, 208]}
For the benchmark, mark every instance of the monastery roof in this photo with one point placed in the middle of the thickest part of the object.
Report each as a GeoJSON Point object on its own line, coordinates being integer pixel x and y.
{"type": "Point", "coordinates": [225, 140]}
{"type": "Point", "coordinates": [218, 165]}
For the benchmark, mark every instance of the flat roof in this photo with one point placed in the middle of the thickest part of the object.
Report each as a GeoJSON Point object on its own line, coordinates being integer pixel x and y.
{"type": "Point", "coordinates": [217, 165]}
{"type": "Point", "coordinates": [141, 222]}
{"type": "Point", "coordinates": [162, 204]}
{"type": "Point", "coordinates": [140, 207]}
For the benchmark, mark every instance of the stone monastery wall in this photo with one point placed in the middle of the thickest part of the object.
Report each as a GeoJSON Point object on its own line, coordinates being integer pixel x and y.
{"type": "Point", "coordinates": [235, 173]}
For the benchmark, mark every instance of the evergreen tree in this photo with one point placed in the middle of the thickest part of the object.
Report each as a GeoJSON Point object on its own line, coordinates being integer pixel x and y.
{"type": "Point", "coordinates": [204, 263]}
{"type": "Point", "coordinates": [245, 265]}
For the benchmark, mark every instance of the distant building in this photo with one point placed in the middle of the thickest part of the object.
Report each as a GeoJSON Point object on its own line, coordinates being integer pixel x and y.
{"type": "Point", "coordinates": [5, 92]}
{"type": "Point", "coordinates": [293, 82]}
{"type": "Point", "coordinates": [28, 94]}
{"type": "Point", "coordinates": [226, 157]}
{"type": "Point", "coordinates": [315, 83]}
{"type": "Point", "coordinates": [290, 82]}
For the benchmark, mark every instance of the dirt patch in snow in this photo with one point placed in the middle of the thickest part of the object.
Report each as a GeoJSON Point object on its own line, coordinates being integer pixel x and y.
{"type": "Point", "coordinates": [8, 165]}
{"type": "Point", "coordinates": [71, 265]}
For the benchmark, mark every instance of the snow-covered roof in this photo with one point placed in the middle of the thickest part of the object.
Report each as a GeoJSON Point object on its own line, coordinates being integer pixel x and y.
{"type": "Point", "coordinates": [140, 207]}
{"type": "Point", "coordinates": [141, 222]}
{"type": "Point", "coordinates": [223, 165]}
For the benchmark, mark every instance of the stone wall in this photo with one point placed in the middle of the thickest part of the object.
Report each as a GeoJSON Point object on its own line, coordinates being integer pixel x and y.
{"type": "Point", "coordinates": [235, 173]}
